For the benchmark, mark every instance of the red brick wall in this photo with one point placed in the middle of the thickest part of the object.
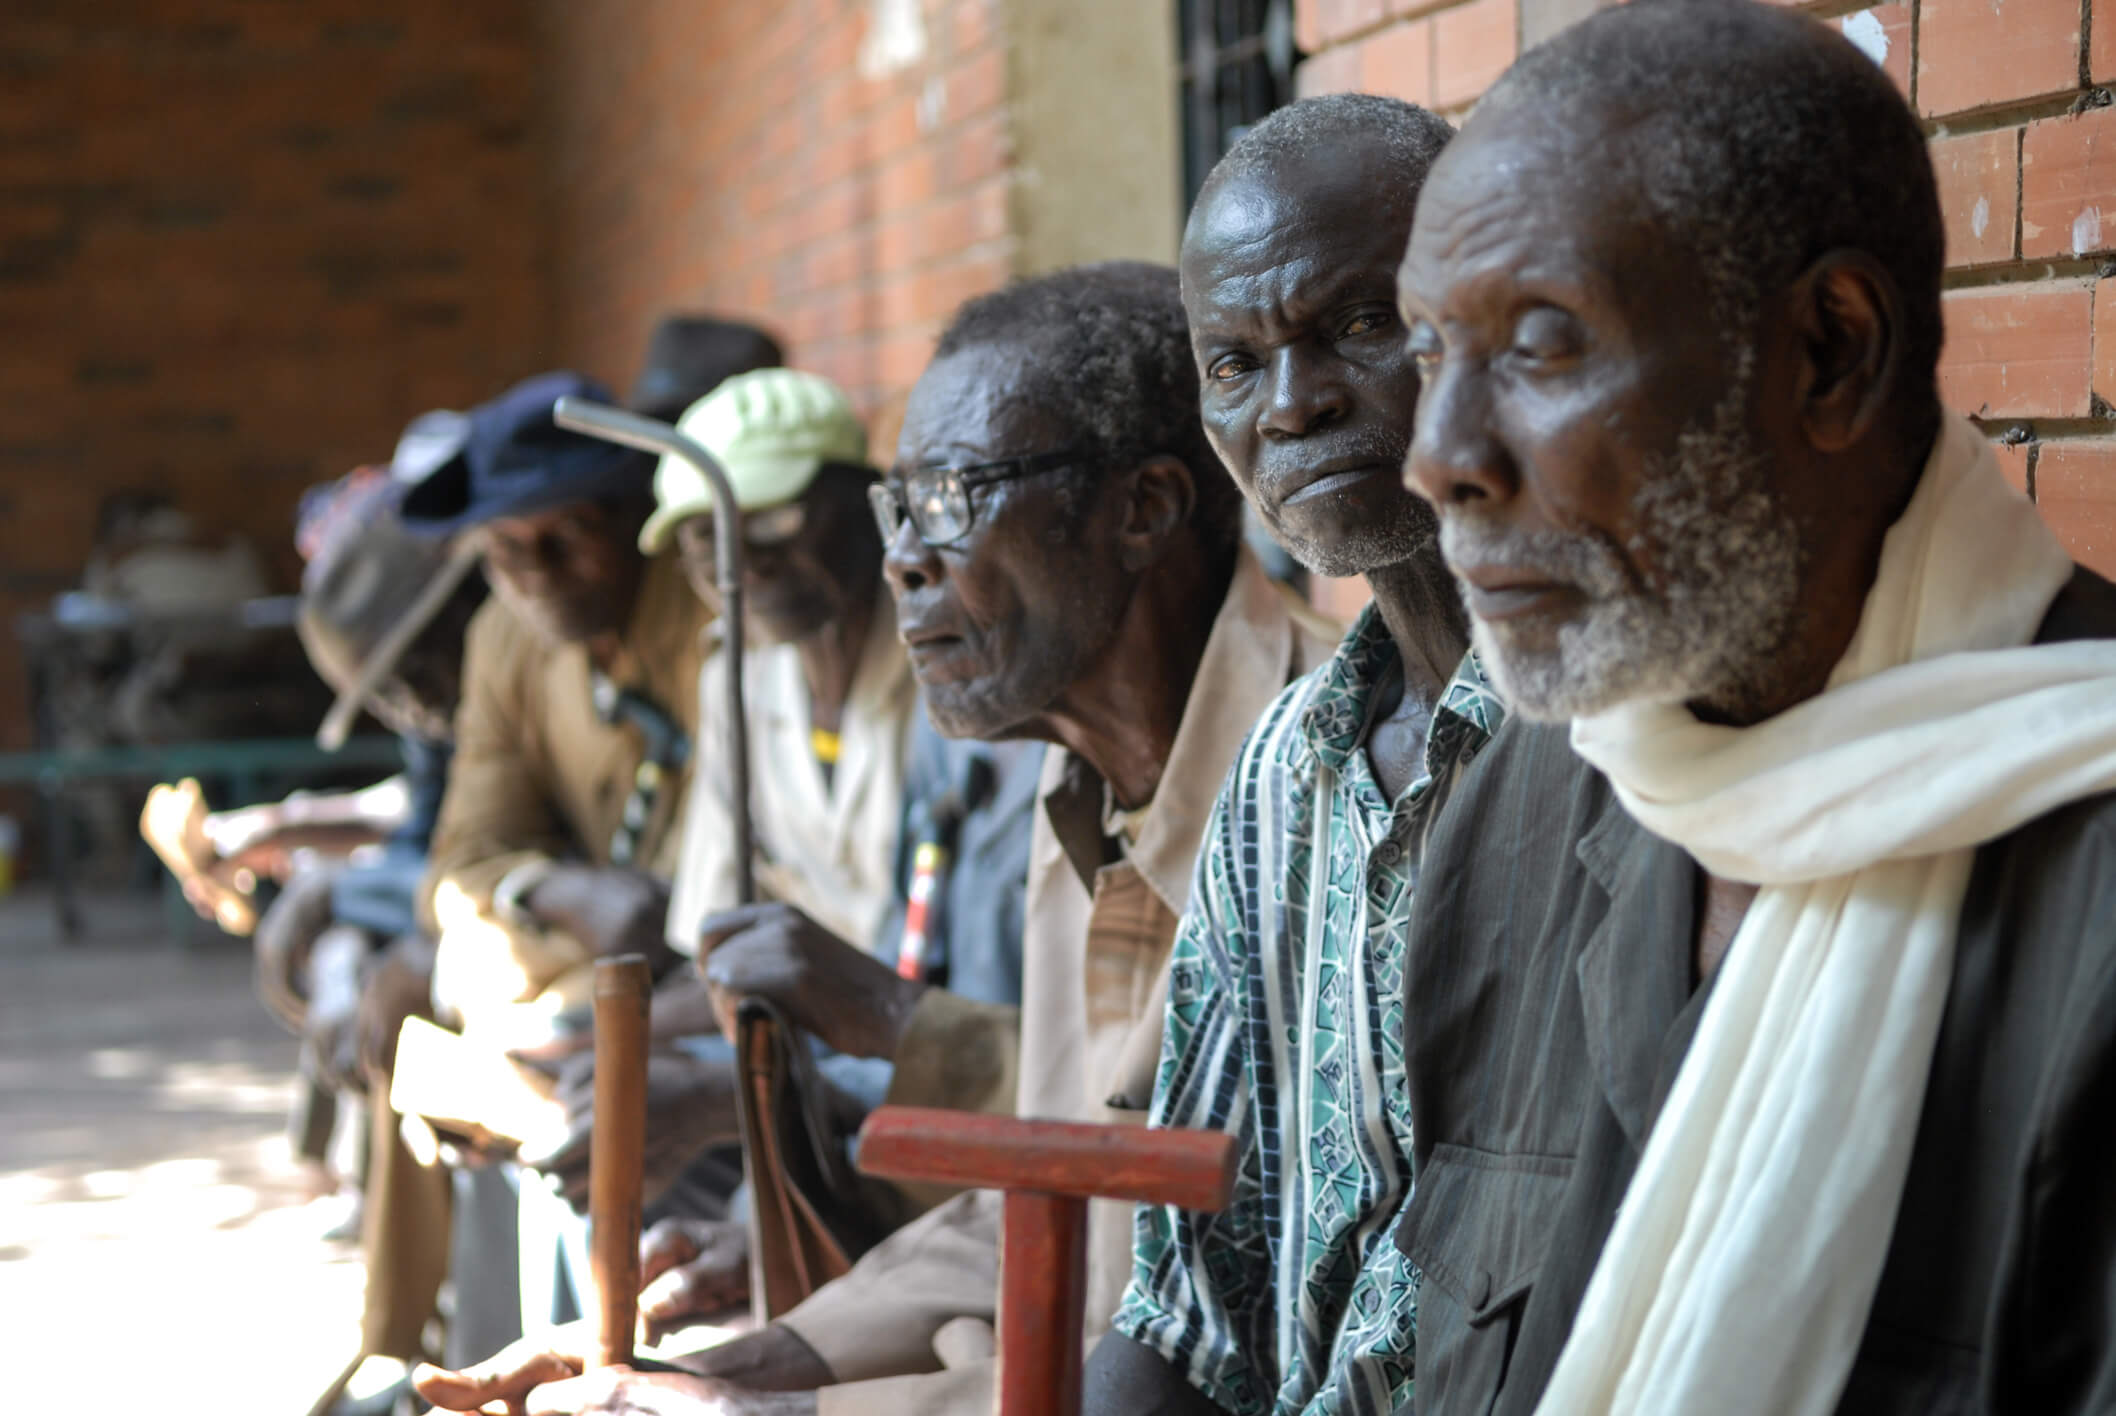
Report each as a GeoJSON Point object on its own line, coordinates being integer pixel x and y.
{"type": "Point", "coordinates": [750, 159]}
{"type": "Point", "coordinates": [2024, 140]}
{"type": "Point", "coordinates": [240, 245]}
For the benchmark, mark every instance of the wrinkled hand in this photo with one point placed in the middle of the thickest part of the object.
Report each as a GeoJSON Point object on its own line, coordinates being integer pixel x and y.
{"type": "Point", "coordinates": [543, 1375]}
{"type": "Point", "coordinates": [283, 939]}
{"type": "Point", "coordinates": [609, 909]}
{"type": "Point", "coordinates": [691, 1270]}
{"type": "Point", "coordinates": [690, 1105]}
{"type": "Point", "coordinates": [399, 986]}
{"type": "Point", "coordinates": [844, 995]}
{"type": "Point", "coordinates": [508, 1376]}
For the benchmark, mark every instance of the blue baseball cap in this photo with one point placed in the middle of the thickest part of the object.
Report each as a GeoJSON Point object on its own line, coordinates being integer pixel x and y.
{"type": "Point", "coordinates": [515, 460]}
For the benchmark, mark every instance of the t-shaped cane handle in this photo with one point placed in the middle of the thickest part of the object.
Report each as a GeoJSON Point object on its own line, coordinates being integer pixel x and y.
{"type": "Point", "coordinates": [1049, 1171]}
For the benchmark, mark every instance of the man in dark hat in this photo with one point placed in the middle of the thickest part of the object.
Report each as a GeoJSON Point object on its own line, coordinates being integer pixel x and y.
{"type": "Point", "coordinates": [691, 355]}
{"type": "Point", "coordinates": [557, 838]}
{"type": "Point", "coordinates": [578, 710]}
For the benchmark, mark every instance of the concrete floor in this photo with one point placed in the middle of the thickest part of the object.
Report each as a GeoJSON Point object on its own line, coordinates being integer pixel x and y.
{"type": "Point", "coordinates": [155, 1255]}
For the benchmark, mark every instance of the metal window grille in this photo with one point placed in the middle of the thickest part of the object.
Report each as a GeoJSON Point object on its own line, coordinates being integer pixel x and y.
{"type": "Point", "coordinates": [1238, 58]}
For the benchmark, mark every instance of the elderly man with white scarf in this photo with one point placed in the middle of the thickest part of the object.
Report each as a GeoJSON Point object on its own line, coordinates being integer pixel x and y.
{"type": "Point", "coordinates": [1762, 990]}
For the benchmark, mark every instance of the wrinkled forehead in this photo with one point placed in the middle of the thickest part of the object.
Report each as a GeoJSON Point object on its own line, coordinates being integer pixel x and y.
{"type": "Point", "coordinates": [1260, 236]}
{"type": "Point", "coordinates": [979, 400]}
{"type": "Point", "coordinates": [1557, 193]}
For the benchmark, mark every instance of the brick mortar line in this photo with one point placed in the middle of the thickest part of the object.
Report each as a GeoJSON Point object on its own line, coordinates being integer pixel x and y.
{"type": "Point", "coordinates": [1917, 37]}
{"type": "Point", "coordinates": [865, 236]}
{"type": "Point", "coordinates": [2018, 113]}
{"type": "Point", "coordinates": [1352, 37]}
{"type": "Point", "coordinates": [872, 175]}
{"type": "Point", "coordinates": [2020, 190]}
{"type": "Point", "coordinates": [2034, 432]}
{"type": "Point", "coordinates": [2029, 272]}
{"type": "Point", "coordinates": [1838, 9]}
{"type": "Point", "coordinates": [2086, 44]}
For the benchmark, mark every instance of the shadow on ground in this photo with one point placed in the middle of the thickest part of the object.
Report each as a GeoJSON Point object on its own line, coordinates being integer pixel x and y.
{"type": "Point", "coordinates": [154, 1249]}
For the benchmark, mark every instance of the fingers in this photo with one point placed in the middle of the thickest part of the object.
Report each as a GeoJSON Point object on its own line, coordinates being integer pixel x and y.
{"type": "Point", "coordinates": [566, 1164]}
{"type": "Point", "coordinates": [751, 965]}
{"type": "Point", "coordinates": [506, 1378]}
{"type": "Point", "coordinates": [714, 1279]}
{"type": "Point", "coordinates": [717, 929]}
{"type": "Point", "coordinates": [668, 1243]}
{"type": "Point", "coordinates": [690, 1294]}
{"type": "Point", "coordinates": [597, 1392]}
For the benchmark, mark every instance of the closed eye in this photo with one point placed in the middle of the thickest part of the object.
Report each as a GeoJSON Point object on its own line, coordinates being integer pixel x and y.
{"type": "Point", "coordinates": [1545, 336]}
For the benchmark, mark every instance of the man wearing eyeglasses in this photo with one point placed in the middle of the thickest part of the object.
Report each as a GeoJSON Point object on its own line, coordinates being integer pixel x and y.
{"type": "Point", "coordinates": [1065, 552]}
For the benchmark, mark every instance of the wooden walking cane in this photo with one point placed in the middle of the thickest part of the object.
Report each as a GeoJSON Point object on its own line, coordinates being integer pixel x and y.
{"type": "Point", "coordinates": [624, 985]}
{"type": "Point", "coordinates": [1049, 1170]}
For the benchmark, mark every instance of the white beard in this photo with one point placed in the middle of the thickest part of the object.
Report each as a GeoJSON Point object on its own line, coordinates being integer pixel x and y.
{"type": "Point", "coordinates": [1729, 561]}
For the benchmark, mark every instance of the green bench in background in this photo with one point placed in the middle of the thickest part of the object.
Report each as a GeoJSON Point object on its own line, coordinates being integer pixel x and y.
{"type": "Point", "coordinates": [255, 769]}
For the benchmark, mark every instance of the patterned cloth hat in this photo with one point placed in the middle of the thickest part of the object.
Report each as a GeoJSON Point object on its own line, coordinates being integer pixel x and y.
{"type": "Point", "coordinates": [772, 430]}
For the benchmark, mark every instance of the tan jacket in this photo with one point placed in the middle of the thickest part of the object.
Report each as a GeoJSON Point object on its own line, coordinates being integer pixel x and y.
{"type": "Point", "coordinates": [537, 774]}
{"type": "Point", "coordinates": [827, 847]}
{"type": "Point", "coordinates": [1094, 972]}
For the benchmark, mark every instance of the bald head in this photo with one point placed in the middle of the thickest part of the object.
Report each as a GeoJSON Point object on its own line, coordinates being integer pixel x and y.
{"type": "Point", "coordinates": [1674, 293]}
{"type": "Point", "coordinates": [1288, 272]}
{"type": "Point", "coordinates": [1394, 140]}
{"type": "Point", "coordinates": [1752, 135]}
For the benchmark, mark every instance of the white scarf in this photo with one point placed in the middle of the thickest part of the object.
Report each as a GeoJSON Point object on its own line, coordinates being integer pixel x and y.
{"type": "Point", "coordinates": [1742, 1262]}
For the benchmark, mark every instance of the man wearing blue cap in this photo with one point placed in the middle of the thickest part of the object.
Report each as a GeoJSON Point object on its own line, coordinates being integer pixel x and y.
{"type": "Point", "coordinates": [579, 707]}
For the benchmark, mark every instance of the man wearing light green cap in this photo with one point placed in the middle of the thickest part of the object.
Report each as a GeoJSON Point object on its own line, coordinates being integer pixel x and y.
{"type": "Point", "coordinates": [828, 684]}
{"type": "Point", "coordinates": [831, 701]}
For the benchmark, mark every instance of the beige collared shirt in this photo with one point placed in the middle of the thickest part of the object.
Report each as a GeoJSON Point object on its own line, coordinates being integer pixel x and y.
{"type": "Point", "coordinates": [537, 772]}
{"type": "Point", "coordinates": [538, 775]}
{"type": "Point", "coordinates": [825, 846]}
{"type": "Point", "coordinates": [1101, 919]}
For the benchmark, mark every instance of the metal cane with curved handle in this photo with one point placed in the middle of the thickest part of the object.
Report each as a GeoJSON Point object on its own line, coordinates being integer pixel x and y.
{"type": "Point", "coordinates": [600, 420]}
{"type": "Point", "coordinates": [614, 1217]}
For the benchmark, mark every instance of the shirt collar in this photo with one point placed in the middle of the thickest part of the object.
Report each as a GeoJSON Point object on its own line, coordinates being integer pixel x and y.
{"type": "Point", "coordinates": [1335, 722]}
{"type": "Point", "coordinates": [666, 619]}
{"type": "Point", "coordinates": [1247, 661]}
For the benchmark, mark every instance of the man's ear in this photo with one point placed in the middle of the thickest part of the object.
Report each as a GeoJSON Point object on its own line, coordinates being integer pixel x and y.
{"type": "Point", "coordinates": [1848, 319]}
{"type": "Point", "coordinates": [1163, 494]}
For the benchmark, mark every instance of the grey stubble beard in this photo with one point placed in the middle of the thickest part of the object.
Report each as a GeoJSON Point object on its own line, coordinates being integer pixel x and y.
{"type": "Point", "coordinates": [1728, 558]}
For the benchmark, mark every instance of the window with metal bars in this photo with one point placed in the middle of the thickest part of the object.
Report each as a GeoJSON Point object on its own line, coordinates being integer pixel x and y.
{"type": "Point", "coordinates": [1238, 58]}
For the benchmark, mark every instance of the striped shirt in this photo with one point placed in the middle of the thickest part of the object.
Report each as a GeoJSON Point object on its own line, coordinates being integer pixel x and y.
{"type": "Point", "coordinates": [1285, 1027]}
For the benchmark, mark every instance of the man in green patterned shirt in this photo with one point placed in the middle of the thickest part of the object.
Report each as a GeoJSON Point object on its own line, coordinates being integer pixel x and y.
{"type": "Point", "coordinates": [1285, 1020]}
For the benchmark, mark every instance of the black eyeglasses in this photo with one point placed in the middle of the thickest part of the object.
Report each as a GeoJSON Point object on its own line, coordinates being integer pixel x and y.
{"type": "Point", "coordinates": [937, 499]}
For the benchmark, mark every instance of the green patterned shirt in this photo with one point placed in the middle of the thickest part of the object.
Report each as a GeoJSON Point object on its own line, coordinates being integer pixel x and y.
{"type": "Point", "coordinates": [1285, 1027]}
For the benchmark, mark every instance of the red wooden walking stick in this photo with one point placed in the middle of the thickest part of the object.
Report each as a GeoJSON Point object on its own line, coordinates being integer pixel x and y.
{"type": "Point", "coordinates": [624, 986]}
{"type": "Point", "coordinates": [1049, 1171]}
